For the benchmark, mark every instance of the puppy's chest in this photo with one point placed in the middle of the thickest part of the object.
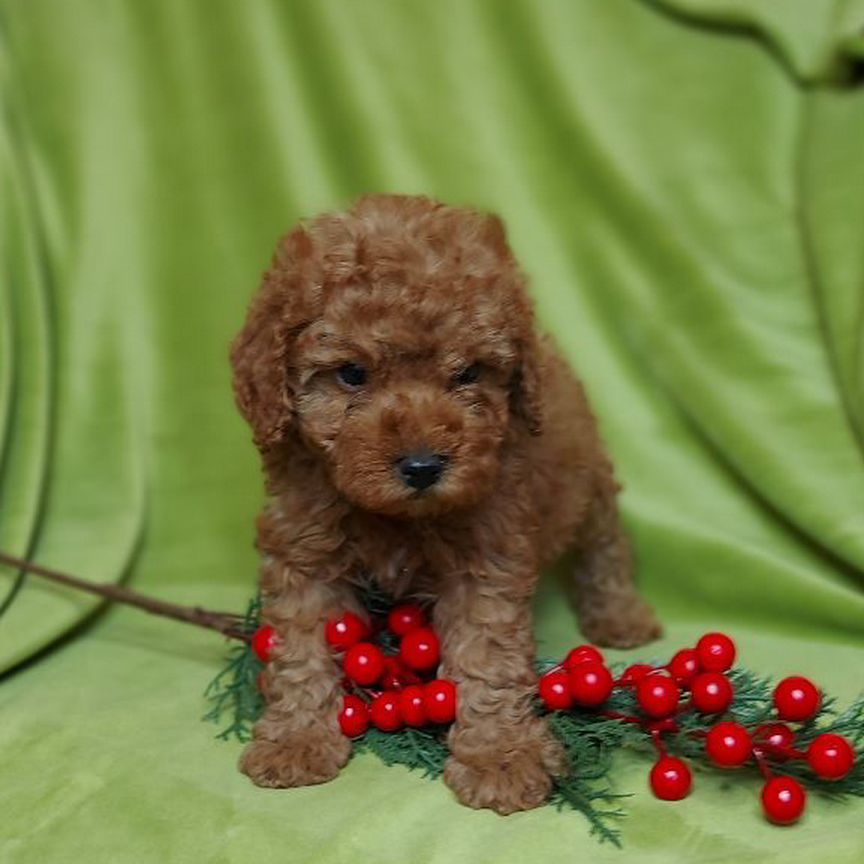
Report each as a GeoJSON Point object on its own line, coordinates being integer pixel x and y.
{"type": "Point", "coordinates": [393, 557]}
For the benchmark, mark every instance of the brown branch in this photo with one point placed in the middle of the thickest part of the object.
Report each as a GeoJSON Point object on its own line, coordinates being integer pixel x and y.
{"type": "Point", "coordinates": [226, 623]}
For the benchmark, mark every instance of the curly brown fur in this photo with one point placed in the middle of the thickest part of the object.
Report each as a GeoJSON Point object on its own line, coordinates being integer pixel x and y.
{"type": "Point", "coordinates": [415, 292]}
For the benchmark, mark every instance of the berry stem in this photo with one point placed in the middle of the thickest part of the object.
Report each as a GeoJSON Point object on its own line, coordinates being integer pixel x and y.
{"type": "Point", "coordinates": [624, 718]}
{"type": "Point", "coordinates": [762, 763]}
{"type": "Point", "coordinates": [659, 743]}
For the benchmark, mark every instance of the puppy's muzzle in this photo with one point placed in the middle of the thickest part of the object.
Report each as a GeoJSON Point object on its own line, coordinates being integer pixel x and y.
{"type": "Point", "coordinates": [421, 470]}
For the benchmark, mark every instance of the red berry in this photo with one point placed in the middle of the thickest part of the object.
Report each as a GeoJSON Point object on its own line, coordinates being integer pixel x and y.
{"type": "Point", "coordinates": [405, 618]}
{"type": "Point", "coordinates": [582, 653]}
{"type": "Point", "coordinates": [439, 699]}
{"type": "Point", "coordinates": [664, 724]}
{"type": "Point", "coordinates": [412, 706]}
{"type": "Point", "coordinates": [711, 692]}
{"type": "Point", "coordinates": [390, 679]}
{"type": "Point", "coordinates": [797, 698]}
{"type": "Point", "coordinates": [591, 683]}
{"type": "Point", "coordinates": [776, 738]}
{"type": "Point", "coordinates": [671, 779]}
{"type": "Point", "coordinates": [420, 649]}
{"type": "Point", "coordinates": [783, 800]}
{"type": "Point", "coordinates": [364, 663]}
{"type": "Point", "coordinates": [264, 642]}
{"type": "Point", "coordinates": [830, 756]}
{"type": "Point", "coordinates": [728, 744]}
{"type": "Point", "coordinates": [354, 716]}
{"type": "Point", "coordinates": [684, 666]}
{"type": "Point", "coordinates": [716, 652]}
{"type": "Point", "coordinates": [341, 633]}
{"type": "Point", "coordinates": [554, 690]}
{"type": "Point", "coordinates": [397, 675]}
{"type": "Point", "coordinates": [635, 673]}
{"type": "Point", "coordinates": [658, 695]}
{"type": "Point", "coordinates": [385, 712]}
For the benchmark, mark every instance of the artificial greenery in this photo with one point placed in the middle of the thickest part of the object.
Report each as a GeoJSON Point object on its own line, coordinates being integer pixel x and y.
{"type": "Point", "coordinates": [234, 692]}
{"type": "Point", "coordinates": [591, 738]}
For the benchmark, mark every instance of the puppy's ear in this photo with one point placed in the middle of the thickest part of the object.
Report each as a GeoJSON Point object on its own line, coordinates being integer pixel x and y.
{"type": "Point", "coordinates": [260, 352]}
{"type": "Point", "coordinates": [492, 235]}
{"type": "Point", "coordinates": [526, 398]}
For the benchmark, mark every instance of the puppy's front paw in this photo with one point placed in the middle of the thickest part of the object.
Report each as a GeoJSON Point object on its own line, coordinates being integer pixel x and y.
{"type": "Point", "coordinates": [302, 759]}
{"type": "Point", "coordinates": [508, 781]}
{"type": "Point", "coordinates": [620, 622]}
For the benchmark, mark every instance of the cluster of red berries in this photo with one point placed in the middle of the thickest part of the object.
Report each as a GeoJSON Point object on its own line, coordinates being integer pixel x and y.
{"type": "Point", "coordinates": [387, 691]}
{"type": "Point", "coordinates": [583, 680]}
{"type": "Point", "coordinates": [830, 756]}
{"type": "Point", "coordinates": [406, 698]}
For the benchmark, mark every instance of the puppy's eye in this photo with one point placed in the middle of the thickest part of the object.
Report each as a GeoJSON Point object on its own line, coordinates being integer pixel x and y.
{"type": "Point", "coordinates": [468, 375]}
{"type": "Point", "coordinates": [351, 375]}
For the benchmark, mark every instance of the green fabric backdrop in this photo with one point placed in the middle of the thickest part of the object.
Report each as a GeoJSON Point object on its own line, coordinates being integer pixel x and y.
{"type": "Point", "coordinates": [684, 183]}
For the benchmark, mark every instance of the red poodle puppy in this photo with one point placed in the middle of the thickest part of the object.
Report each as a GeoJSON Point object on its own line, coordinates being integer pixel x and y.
{"type": "Point", "coordinates": [416, 430]}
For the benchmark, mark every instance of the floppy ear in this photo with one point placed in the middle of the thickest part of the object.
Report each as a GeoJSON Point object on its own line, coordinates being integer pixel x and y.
{"type": "Point", "coordinates": [525, 384]}
{"type": "Point", "coordinates": [260, 352]}
{"type": "Point", "coordinates": [493, 235]}
{"type": "Point", "coordinates": [525, 387]}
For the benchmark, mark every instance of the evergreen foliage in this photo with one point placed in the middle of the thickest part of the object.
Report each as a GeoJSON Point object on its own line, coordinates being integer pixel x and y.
{"type": "Point", "coordinates": [590, 738]}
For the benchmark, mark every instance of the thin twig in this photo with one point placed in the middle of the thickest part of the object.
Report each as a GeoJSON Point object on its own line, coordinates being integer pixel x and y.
{"type": "Point", "coordinates": [227, 623]}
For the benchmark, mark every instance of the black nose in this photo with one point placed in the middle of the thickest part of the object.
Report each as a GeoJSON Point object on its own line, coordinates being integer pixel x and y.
{"type": "Point", "coordinates": [420, 470]}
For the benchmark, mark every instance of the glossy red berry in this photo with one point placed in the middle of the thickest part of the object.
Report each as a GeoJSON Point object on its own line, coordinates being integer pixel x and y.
{"type": "Point", "coordinates": [397, 675]}
{"type": "Point", "coordinates": [264, 642]}
{"type": "Point", "coordinates": [797, 698]}
{"type": "Point", "coordinates": [347, 630]}
{"type": "Point", "coordinates": [830, 756]}
{"type": "Point", "coordinates": [581, 654]}
{"type": "Point", "coordinates": [728, 744]}
{"type": "Point", "coordinates": [420, 649]}
{"type": "Point", "coordinates": [412, 705]}
{"type": "Point", "coordinates": [783, 800]}
{"type": "Point", "coordinates": [439, 699]}
{"type": "Point", "coordinates": [354, 716]}
{"type": "Point", "coordinates": [385, 712]}
{"type": "Point", "coordinates": [635, 673]}
{"type": "Point", "coordinates": [776, 739]}
{"type": "Point", "coordinates": [658, 695]}
{"type": "Point", "coordinates": [671, 779]}
{"type": "Point", "coordinates": [591, 683]}
{"type": "Point", "coordinates": [684, 666]}
{"type": "Point", "coordinates": [390, 678]}
{"type": "Point", "coordinates": [364, 663]}
{"type": "Point", "coordinates": [716, 652]}
{"type": "Point", "coordinates": [554, 689]}
{"type": "Point", "coordinates": [405, 618]}
{"type": "Point", "coordinates": [711, 692]}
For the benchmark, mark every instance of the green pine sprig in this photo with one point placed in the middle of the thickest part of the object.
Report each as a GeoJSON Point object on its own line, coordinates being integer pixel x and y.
{"type": "Point", "coordinates": [591, 739]}
{"type": "Point", "coordinates": [234, 692]}
{"type": "Point", "coordinates": [423, 750]}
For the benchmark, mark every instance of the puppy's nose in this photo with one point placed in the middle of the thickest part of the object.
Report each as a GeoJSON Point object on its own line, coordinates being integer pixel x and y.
{"type": "Point", "coordinates": [421, 470]}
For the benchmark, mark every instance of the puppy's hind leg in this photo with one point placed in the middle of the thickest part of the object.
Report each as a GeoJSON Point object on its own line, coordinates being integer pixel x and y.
{"type": "Point", "coordinates": [611, 611]}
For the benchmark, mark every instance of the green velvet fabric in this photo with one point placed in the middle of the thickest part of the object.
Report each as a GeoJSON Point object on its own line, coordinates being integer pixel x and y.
{"type": "Point", "coordinates": [683, 183]}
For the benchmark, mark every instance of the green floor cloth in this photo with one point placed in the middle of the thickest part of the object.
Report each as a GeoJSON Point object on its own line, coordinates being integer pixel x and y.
{"type": "Point", "coordinates": [682, 181]}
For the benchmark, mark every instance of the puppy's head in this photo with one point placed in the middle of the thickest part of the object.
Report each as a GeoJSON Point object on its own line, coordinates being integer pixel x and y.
{"type": "Point", "coordinates": [396, 343]}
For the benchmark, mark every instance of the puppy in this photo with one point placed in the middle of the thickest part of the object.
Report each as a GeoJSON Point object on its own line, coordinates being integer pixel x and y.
{"type": "Point", "coordinates": [417, 431]}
